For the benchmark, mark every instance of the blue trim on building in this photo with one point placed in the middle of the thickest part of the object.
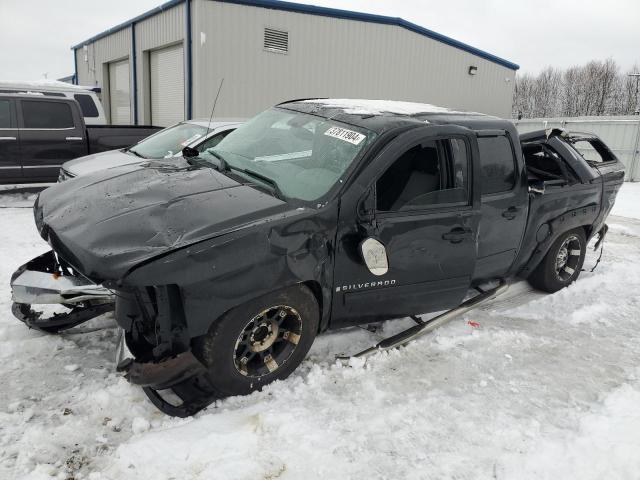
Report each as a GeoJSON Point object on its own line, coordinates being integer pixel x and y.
{"type": "Point", "coordinates": [325, 12]}
{"type": "Point", "coordinates": [187, 13]}
{"type": "Point", "coordinates": [134, 72]}
{"type": "Point", "coordinates": [75, 67]}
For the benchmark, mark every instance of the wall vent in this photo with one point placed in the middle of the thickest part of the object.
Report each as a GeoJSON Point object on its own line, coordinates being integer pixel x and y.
{"type": "Point", "coordinates": [276, 40]}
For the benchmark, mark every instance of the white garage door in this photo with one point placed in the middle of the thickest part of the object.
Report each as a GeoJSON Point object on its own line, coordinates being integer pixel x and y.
{"type": "Point", "coordinates": [119, 93]}
{"type": "Point", "coordinates": [167, 85]}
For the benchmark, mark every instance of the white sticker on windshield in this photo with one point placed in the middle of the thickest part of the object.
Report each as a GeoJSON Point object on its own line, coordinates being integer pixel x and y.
{"type": "Point", "coordinates": [191, 139]}
{"type": "Point", "coordinates": [346, 135]}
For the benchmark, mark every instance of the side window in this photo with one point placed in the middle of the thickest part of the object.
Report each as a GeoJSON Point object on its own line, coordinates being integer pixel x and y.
{"type": "Point", "coordinates": [87, 105]}
{"type": "Point", "coordinates": [5, 114]}
{"type": "Point", "coordinates": [592, 150]}
{"type": "Point", "coordinates": [213, 141]}
{"type": "Point", "coordinates": [432, 173]}
{"type": "Point", "coordinates": [46, 114]}
{"type": "Point", "coordinates": [498, 164]}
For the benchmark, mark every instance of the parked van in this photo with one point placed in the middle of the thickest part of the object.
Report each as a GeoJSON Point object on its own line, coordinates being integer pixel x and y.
{"type": "Point", "coordinates": [87, 97]}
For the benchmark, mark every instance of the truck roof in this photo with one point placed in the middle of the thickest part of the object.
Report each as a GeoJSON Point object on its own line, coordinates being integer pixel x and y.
{"type": "Point", "coordinates": [383, 115]}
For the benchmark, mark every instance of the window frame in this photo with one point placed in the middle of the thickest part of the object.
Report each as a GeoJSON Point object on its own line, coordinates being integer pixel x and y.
{"type": "Point", "coordinates": [516, 172]}
{"type": "Point", "coordinates": [13, 121]}
{"type": "Point", "coordinates": [436, 207]}
{"type": "Point", "coordinates": [23, 126]}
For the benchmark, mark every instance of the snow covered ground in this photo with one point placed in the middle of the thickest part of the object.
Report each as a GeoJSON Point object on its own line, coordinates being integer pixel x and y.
{"type": "Point", "coordinates": [546, 387]}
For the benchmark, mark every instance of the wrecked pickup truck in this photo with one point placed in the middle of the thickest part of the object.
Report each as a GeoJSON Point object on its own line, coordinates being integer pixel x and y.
{"type": "Point", "coordinates": [314, 215]}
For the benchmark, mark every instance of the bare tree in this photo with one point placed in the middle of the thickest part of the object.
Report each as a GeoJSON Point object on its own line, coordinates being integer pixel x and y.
{"type": "Point", "coordinates": [596, 88]}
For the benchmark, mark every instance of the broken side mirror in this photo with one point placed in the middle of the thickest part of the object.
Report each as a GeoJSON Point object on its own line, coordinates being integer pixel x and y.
{"type": "Point", "coordinates": [537, 187]}
{"type": "Point", "coordinates": [190, 152]}
{"type": "Point", "coordinates": [374, 255]}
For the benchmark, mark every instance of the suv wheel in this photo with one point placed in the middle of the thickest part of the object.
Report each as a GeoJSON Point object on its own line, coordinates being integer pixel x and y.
{"type": "Point", "coordinates": [562, 263]}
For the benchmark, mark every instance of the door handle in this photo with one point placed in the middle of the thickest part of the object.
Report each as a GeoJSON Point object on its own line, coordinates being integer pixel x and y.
{"type": "Point", "coordinates": [7, 139]}
{"type": "Point", "coordinates": [71, 139]}
{"type": "Point", "coordinates": [511, 213]}
{"type": "Point", "coordinates": [458, 234]}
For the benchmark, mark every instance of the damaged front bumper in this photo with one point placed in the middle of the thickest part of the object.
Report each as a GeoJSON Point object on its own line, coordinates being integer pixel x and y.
{"type": "Point", "coordinates": [46, 280]}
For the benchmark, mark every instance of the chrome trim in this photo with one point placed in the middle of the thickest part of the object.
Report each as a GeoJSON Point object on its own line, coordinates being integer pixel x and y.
{"type": "Point", "coordinates": [8, 138]}
{"type": "Point", "coordinates": [41, 288]}
{"type": "Point", "coordinates": [73, 138]}
{"type": "Point", "coordinates": [9, 168]}
{"type": "Point", "coordinates": [47, 129]}
{"type": "Point", "coordinates": [56, 165]}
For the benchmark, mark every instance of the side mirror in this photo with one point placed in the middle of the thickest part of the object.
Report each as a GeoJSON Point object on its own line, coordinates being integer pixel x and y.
{"type": "Point", "coordinates": [190, 152]}
{"type": "Point", "coordinates": [537, 187]}
{"type": "Point", "coordinates": [374, 255]}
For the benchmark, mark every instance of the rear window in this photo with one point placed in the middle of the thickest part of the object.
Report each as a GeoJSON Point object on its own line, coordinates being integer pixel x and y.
{"type": "Point", "coordinates": [592, 150]}
{"type": "Point", "coordinates": [46, 115]}
{"type": "Point", "coordinates": [498, 164]}
{"type": "Point", "coordinates": [5, 114]}
{"type": "Point", "coordinates": [87, 105]}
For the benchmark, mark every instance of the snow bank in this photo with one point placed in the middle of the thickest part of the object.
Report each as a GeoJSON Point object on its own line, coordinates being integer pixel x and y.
{"type": "Point", "coordinates": [378, 107]}
{"type": "Point", "coordinates": [530, 386]}
{"type": "Point", "coordinates": [628, 201]}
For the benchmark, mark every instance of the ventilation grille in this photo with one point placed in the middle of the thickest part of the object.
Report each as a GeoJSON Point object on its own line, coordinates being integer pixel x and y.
{"type": "Point", "coordinates": [276, 40]}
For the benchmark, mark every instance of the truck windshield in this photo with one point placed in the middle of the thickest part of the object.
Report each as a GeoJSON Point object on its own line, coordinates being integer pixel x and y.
{"type": "Point", "coordinates": [169, 141]}
{"type": "Point", "coordinates": [303, 155]}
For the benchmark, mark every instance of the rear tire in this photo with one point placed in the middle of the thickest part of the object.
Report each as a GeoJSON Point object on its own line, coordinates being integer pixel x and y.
{"type": "Point", "coordinates": [258, 342]}
{"type": "Point", "coordinates": [563, 262]}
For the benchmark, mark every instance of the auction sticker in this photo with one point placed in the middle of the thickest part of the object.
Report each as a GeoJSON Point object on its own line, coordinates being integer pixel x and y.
{"type": "Point", "coordinates": [346, 135]}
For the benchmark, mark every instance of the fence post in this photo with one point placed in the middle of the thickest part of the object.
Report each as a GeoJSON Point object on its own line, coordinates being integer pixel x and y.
{"type": "Point", "coordinates": [636, 154]}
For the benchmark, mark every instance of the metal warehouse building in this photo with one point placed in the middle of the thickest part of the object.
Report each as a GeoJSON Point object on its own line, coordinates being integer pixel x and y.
{"type": "Point", "coordinates": [166, 65]}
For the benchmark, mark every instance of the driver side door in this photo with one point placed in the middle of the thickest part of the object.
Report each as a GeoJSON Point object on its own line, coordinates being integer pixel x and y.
{"type": "Point", "coordinates": [418, 200]}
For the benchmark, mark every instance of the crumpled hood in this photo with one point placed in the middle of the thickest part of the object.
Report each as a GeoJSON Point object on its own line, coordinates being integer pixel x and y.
{"type": "Point", "coordinates": [108, 222]}
{"type": "Point", "coordinates": [100, 161]}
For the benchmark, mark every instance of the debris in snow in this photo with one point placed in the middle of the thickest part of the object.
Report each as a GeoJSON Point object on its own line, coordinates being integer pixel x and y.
{"type": "Point", "coordinates": [473, 324]}
{"type": "Point", "coordinates": [71, 368]}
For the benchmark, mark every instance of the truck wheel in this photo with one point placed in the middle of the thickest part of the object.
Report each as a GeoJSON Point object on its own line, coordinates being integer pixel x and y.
{"type": "Point", "coordinates": [562, 263]}
{"type": "Point", "coordinates": [259, 342]}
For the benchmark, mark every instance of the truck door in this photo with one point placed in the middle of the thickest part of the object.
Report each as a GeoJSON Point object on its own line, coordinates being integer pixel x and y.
{"type": "Point", "coordinates": [505, 203]}
{"type": "Point", "coordinates": [417, 199]}
{"type": "Point", "coordinates": [10, 168]}
{"type": "Point", "coordinates": [51, 132]}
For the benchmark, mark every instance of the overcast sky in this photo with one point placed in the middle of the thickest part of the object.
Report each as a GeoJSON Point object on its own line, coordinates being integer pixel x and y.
{"type": "Point", "coordinates": [36, 35]}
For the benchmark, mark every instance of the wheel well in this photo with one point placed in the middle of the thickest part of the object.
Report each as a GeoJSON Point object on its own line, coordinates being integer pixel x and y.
{"type": "Point", "coordinates": [317, 292]}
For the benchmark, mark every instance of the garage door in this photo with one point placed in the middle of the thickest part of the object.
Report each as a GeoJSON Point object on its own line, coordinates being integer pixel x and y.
{"type": "Point", "coordinates": [119, 93]}
{"type": "Point", "coordinates": [167, 85]}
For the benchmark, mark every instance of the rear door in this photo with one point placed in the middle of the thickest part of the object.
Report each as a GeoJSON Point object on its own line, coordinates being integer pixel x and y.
{"type": "Point", "coordinates": [10, 167]}
{"type": "Point", "coordinates": [504, 203]}
{"type": "Point", "coordinates": [51, 132]}
{"type": "Point", "coordinates": [427, 218]}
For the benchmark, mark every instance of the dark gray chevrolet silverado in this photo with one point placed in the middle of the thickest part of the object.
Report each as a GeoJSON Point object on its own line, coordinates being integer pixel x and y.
{"type": "Point", "coordinates": [313, 215]}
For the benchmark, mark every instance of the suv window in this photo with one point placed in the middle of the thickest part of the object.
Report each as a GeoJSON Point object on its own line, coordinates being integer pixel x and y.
{"type": "Point", "coordinates": [46, 114]}
{"type": "Point", "coordinates": [429, 174]}
{"type": "Point", "coordinates": [87, 105]}
{"type": "Point", "coordinates": [498, 164]}
{"type": "Point", "coordinates": [5, 114]}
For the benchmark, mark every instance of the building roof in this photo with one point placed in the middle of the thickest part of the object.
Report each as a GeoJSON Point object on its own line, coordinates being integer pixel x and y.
{"type": "Point", "coordinates": [321, 11]}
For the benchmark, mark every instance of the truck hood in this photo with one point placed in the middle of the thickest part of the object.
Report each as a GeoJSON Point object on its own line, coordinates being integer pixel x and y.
{"type": "Point", "coordinates": [106, 223]}
{"type": "Point", "coordinates": [100, 161]}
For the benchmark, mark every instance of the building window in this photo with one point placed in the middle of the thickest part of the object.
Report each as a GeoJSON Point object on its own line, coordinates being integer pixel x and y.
{"type": "Point", "coordinates": [276, 40]}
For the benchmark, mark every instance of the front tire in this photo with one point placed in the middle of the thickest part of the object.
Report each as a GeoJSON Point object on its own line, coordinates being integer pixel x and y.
{"type": "Point", "coordinates": [563, 262]}
{"type": "Point", "coordinates": [258, 342]}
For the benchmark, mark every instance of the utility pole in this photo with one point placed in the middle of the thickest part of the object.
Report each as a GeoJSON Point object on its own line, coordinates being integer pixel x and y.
{"type": "Point", "coordinates": [637, 76]}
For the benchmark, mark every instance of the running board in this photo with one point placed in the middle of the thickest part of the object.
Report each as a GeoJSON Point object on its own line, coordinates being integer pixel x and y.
{"type": "Point", "coordinates": [420, 329]}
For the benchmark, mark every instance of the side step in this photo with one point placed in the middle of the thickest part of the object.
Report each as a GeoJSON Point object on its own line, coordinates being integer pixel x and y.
{"type": "Point", "coordinates": [420, 329]}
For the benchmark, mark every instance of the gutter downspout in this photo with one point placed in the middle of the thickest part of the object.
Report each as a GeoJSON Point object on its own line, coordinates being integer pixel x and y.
{"type": "Point", "coordinates": [188, 67]}
{"type": "Point", "coordinates": [134, 70]}
{"type": "Point", "coordinates": [75, 67]}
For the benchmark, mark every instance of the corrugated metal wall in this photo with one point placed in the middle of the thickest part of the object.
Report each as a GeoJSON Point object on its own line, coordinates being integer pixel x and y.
{"type": "Point", "coordinates": [92, 61]}
{"type": "Point", "coordinates": [331, 57]}
{"type": "Point", "coordinates": [159, 31]}
{"type": "Point", "coordinates": [328, 57]}
{"type": "Point", "coordinates": [621, 134]}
